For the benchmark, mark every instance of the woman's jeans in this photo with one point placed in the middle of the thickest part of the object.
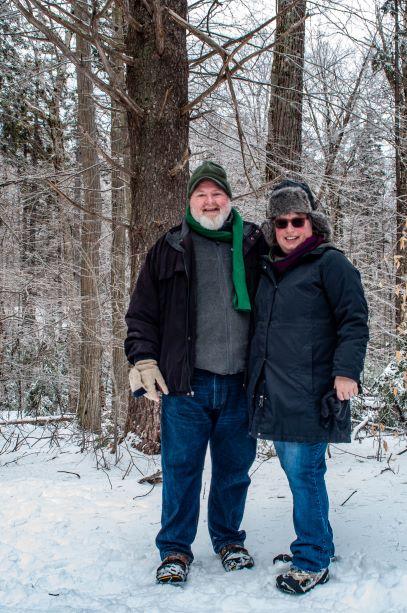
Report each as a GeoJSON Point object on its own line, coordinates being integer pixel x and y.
{"type": "Point", "coordinates": [305, 467]}
{"type": "Point", "coordinates": [217, 413]}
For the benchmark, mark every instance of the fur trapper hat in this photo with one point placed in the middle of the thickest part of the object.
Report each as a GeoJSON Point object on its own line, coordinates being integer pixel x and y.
{"type": "Point", "coordinates": [290, 196]}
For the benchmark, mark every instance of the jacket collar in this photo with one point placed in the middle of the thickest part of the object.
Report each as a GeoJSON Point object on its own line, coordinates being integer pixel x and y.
{"type": "Point", "coordinates": [314, 254]}
{"type": "Point", "coordinates": [177, 235]}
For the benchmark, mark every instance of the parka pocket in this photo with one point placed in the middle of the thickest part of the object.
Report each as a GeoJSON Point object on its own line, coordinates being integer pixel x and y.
{"type": "Point", "coordinates": [302, 368]}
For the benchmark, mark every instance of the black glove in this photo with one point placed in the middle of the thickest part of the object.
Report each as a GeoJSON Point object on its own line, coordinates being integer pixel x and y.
{"type": "Point", "coordinates": [333, 410]}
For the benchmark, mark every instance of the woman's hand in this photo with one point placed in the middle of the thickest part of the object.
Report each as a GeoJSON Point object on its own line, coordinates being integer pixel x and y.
{"type": "Point", "coordinates": [345, 388]}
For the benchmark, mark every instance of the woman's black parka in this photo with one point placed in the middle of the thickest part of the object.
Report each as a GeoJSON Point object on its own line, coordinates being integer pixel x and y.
{"type": "Point", "coordinates": [310, 326]}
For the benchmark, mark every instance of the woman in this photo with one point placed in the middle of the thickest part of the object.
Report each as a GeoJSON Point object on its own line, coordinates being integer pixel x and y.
{"type": "Point", "coordinates": [306, 357]}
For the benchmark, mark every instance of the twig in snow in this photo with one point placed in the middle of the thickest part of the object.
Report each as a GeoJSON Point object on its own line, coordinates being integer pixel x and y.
{"type": "Point", "coordinates": [257, 467]}
{"type": "Point", "coordinates": [146, 494]}
{"type": "Point", "coordinates": [68, 472]}
{"type": "Point", "coordinates": [128, 469]}
{"type": "Point", "coordinates": [351, 453]}
{"type": "Point", "coordinates": [102, 469]}
{"type": "Point", "coordinates": [388, 466]}
{"type": "Point", "coordinates": [345, 501]}
{"type": "Point", "coordinates": [401, 452]}
{"type": "Point", "coordinates": [132, 462]}
{"type": "Point", "coordinates": [21, 457]}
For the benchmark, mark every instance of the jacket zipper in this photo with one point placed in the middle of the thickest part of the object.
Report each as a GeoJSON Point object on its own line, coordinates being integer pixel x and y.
{"type": "Point", "coordinates": [187, 336]}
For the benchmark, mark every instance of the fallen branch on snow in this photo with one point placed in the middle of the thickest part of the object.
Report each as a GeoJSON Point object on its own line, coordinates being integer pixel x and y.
{"type": "Point", "coordinates": [68, 472]}
{"type": "Point", "coordinates": [37, 420]}
{"type": "Point", "coordinates": [367, 422]}
{"type": "Point", "coordinates": [358, 428]}
{"type": "Point", "coordinates": [345, 501]}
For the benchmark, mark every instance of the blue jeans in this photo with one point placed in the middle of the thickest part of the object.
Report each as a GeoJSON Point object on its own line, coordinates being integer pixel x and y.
{"type": "Point", "coordinates": [217, 413]}
{"type": "Point", "coordinates": [305, 467]}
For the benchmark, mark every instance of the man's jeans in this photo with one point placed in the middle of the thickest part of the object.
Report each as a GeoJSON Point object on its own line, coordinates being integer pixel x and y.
{"type": "Point", "coordinates": [304, 465]}
{"type": "Point", "coordinates": [216, 413]}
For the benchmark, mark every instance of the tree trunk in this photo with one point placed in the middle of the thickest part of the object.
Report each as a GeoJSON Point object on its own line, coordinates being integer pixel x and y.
{"type": "Point", "coordinates": [69, 295]}
{"type": "Point", "coordinates": [119, 143]}
{"type": "Point", "coordinates": [284, 144]}
{"type": "Point", "coordinates": [401, 164]}
{"type": "Point", "coordinates": [89, 410]}
{"type": "Point", "coordinates": [158, 83]}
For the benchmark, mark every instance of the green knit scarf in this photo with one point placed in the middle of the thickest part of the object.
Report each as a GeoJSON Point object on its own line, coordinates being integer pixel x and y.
{"type": "Point", "coordinates": [241, 300]}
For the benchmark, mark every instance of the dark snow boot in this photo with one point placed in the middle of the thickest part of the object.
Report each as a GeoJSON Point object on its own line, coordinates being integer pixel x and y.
{"type": "Point", "coordinates": [173, 569]}
{"type": "Point", "coordinates": [297, 581]}
{"type": "Point", "coordinates": [235, 557]}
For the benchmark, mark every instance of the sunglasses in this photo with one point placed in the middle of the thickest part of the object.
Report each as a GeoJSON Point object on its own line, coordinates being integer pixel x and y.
{"type": "Point", "coordinates": [296, 222]}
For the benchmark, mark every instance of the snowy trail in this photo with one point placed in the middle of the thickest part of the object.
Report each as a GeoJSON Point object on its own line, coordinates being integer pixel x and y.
{"type": "Point", "coordinates": [72, 544]}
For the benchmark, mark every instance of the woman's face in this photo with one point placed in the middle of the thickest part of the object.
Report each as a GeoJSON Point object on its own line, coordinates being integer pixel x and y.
{"type": "Point", "coordinates": [290, 238]}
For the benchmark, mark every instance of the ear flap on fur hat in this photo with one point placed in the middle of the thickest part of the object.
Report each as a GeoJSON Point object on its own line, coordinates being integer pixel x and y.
{"type": "Point", "coordinates": [321, 225]}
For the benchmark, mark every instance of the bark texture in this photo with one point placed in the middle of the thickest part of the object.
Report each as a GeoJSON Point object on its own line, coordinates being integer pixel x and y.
{"type": "Point", "coordinates": [158, 83]}
{"type": "Point", "coordinates": [119, 144]}
{"type": "Point", "coordinates": [68, 229]}
{"type": "Point", "coordinates": [284, 144]}
{"type": "Point", "coordinates": [89, 407]}
{"type": "Point", "coordinates": [401, 166]}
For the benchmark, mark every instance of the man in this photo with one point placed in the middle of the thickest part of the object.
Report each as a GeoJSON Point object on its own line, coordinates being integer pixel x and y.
{"type": "Point", "coordinates": [188, 331]}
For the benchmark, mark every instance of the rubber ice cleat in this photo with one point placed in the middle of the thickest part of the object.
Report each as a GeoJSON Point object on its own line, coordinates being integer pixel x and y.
{"type": "Point", "coordinates": [173, 569]}
{"type": "Point", "coordinates": [297, 581]}
{"type": "Point", "coordinates": [235, 557]}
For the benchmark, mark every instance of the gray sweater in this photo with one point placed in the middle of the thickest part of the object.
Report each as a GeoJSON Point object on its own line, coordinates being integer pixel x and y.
{"type": "Point", "coordinates": [222, 332]}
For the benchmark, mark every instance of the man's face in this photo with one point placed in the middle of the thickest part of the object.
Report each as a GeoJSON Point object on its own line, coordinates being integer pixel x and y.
{"type": "Point", "coordinates": [289, 238]}
{"type": "Point", "coordinates": [209, 205]}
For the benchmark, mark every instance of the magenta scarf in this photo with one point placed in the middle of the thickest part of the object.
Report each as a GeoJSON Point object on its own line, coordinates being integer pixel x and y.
{"type": "Point", "coordinates": [291, 260]}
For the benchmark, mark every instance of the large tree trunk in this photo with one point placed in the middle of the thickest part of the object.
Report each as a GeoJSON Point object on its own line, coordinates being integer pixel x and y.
{"type": "Point", "coordinates": [119, 144]}
{"type": "Point", "coordinates": [401, 165]}
{"type": "Point", "coordinates": [89, 409]}
{"type": "Point", "coordinates": [284, 144]}
{"type": "Point", "coordinates": [158, 83]}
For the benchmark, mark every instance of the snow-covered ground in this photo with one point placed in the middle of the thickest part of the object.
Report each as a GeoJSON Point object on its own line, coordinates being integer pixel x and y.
{"type": "Point", "coordinates": [79, 544]}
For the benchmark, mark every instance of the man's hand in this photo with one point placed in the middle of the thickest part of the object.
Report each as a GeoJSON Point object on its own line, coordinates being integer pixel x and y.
{"type": "Point", "coordinates": [345, 388]}
{"type": "Point", "coordinates": [150, 376]}
{"type": "Point", "coordinates": [135, 379]}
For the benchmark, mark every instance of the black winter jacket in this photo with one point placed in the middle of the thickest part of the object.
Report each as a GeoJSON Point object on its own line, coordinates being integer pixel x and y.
{"type": "Point", "coordinates": [161, 316]}
{"type": "Point", "coordinates": [310, 326]}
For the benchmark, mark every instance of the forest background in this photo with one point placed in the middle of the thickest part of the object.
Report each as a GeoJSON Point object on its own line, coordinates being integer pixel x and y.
{"type": "Point", "coordinates": [105, 108]}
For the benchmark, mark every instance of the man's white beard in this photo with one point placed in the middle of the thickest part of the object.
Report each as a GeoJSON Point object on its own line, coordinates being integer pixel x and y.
{"type": "Point", "coordinates": [214, 223]}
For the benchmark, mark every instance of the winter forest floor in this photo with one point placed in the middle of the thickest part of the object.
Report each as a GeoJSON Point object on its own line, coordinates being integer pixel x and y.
{"type": "Point", "coordinates": [79, 544]}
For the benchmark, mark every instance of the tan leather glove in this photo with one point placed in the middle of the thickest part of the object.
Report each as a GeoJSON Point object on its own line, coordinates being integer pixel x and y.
{"type": "Point", "coordinates": [135, 379]}
{"type": "Point", "coordinates": [150, 376]}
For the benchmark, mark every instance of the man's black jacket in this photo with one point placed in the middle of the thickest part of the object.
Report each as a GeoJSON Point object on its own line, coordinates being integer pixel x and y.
{"type": "Point", "coordinates": [162, 313]}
